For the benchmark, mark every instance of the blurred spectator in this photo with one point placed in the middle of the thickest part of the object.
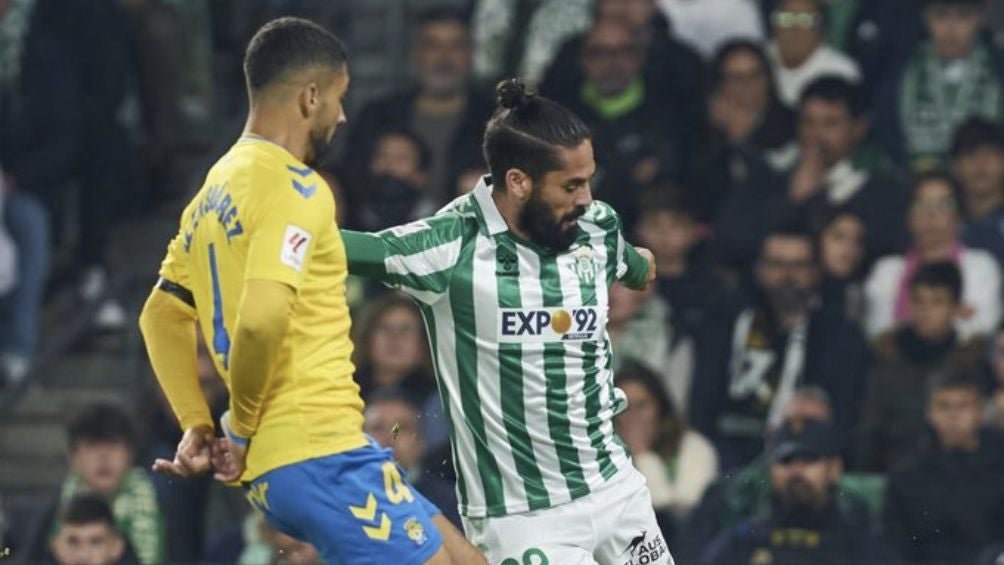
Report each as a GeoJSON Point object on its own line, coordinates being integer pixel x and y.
{"type": "Point", "coordinates": [832, 166]}
{"type": "Point", "coordinates": [637, 142]}
{"type": "Point", "coordinates": [24, 234]}
{"type": "Point", "coordinates": [521, 37]}
{"type": "Point", "coordinates": [392, 353]}
{"type": "Point", "coordinates": [752, 358]}
{"type": "Point", "coordinates": [442, 109]}
{"type": "Point", "coordinates": [669, 227]}
{"type": "Point", "coordinates": [805, 522]}
{"type": "Point", "coordinates": [738, 497]}
{"type": "Point", "coordinates": [745, 107]}
{"type": "Point", "coordinates": [841, 241]}
{"type": "Point", "coordinates": [995, 404]}
{"type": "Point", "coordinates": [797, 51]}
{"type": "Point", "coordinates": [951, 76]}
{"type": "Point", "coordinates": [706, 25]}
{"type": "Point", "coordinates": [879, 35]}
{"type": "Point", "coordinates": [947, 506]}
{"type": "Point", "coordinates": [397, 186]}
{"type": "Point", "coordinates": [85, 534]}
{"type": "Point", "coordinates": [678, 463]}
{"type": "Point", "coordinates": [934, 219]}
{"type": "Point", "coordinates": [101, 448]}
{"type": "Point", "coordinates": [638, 323]}
{"type": "Point", "coordinates": [978, 163]}
{"type": "Point", "coordinates": [746, 119]}
{"type": "Point", "coordinates": [674, 73]}
{"type": "Point", "coordinates": [393, 420]}
{"type": "Point", "coordinates": [184, 501]}
{"type": "Point", "coordinates": [62, 125]}
{"type": "Point", "coordinates": [255, 542]}
{"type": "Point", "coordinates": [905, 361]}
{"type": "Point", "coordinates": [286, 550]}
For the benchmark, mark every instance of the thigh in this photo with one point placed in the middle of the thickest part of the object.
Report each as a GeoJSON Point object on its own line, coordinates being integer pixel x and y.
{"type": "Point", "coordinates": [354, 507]}
{"type": "Point", "coordinates": [544, 537]}
{"type": "Point", "coordinates": [626, 525]}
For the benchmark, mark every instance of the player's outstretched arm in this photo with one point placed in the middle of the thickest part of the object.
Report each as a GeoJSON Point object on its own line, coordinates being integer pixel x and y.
{"type": "Point", "coordinates": [262, 320]}
{"type": "Point", "coordinates": [168, 327]}
{"type": "Point", "coordinates": [459, 549]}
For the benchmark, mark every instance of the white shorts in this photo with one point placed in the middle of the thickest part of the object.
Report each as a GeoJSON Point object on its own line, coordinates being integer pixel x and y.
{"type": "Point", "coordinates": [612, 526]}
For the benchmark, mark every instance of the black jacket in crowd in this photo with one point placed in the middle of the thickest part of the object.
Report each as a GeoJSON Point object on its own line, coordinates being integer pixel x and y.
{"type": "Point", "coordinates": [948, 507]}
{"type": "Point", "coordinates": [836, 360]}
{"type": "Point", "coordinates": [834, 535]}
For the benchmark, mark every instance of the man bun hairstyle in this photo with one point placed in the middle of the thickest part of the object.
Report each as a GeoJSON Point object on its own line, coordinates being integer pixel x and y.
{"type": "Point", "coordinates": [286, 45]}
{"type": "Point", "coordinates": [526, 131]}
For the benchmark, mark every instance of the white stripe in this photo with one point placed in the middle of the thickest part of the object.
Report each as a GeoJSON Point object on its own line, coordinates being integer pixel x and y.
{"type": "Point", "coordinates": [535, 385]}
{"type": "Point", "coordinates": [446, 353]}
{"type": "Point", "coordinates": [622, 265]}
{"type": "Point", "coordinates": [575, 375]}
{"type": "Point", "coordinates": [604, 377]}
{"type": "Point", "coordinates": [432, 260]}
{"type": "Point", "coordinates": [489, 383]}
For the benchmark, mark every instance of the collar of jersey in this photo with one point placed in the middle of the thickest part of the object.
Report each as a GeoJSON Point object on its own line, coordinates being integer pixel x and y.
{"type": "Point", "coordinates": [494, 222]}
{"type": "Point", "coordinates": [257, 139]}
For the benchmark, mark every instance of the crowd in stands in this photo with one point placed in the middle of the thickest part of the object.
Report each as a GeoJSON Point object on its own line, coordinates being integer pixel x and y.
{"type": "Point", "coordinates": [817, 374]}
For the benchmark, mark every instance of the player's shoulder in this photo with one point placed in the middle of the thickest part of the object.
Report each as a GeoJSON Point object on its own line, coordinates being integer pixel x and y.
{"type": "Point", "coordinates": [602, 215]}
{"type": "Point", "coordinates": [450, 222]}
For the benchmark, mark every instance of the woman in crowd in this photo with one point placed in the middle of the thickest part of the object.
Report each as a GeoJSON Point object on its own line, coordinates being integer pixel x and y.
{"type": "Point", "coordinates": [934, 219]}
{"type": "Point", "coordinates": [678, 463]}
{"type": "Point", "coordinates": [841, 237]}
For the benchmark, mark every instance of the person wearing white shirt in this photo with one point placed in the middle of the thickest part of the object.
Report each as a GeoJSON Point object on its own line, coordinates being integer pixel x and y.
{"type": "Point", "coordinates": [934, 221]}
{"type": "Point", "coordinates": [797, 51]}
{"type": "Point", "coordinates": [706, 25]}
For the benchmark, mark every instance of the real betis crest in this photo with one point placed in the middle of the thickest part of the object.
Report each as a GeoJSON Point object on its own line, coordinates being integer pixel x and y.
{"type": "Point", "coordinates": [584, 263]}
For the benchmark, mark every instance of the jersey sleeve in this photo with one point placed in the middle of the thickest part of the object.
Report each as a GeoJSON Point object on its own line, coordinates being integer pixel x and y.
{"type": "Point", "coordinates": [287, 221]}
{"type": "Point", "coordinates": [631, 267]}
{"type": "Point", "coordinates": [417, 258]}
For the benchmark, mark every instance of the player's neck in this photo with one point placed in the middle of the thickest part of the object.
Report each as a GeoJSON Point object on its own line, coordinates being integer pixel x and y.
{"type": "Point", "coordinates": [509, 209]}
{"type": "Point", "coordinates": [276, 129]}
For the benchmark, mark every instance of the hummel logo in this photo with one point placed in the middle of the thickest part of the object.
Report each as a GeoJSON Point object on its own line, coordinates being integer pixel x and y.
{"type": "Point", "coordinates": [305, 191]}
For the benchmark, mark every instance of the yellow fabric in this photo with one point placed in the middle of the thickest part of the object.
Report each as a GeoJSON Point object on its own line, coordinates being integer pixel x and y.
{"type": "Point", "coordinates": [263, 215]}
{"type": "Point", "coordinates": [168, 326]}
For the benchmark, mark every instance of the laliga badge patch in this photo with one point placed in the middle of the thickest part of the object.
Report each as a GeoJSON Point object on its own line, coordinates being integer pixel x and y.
{"type": "Point", "coordinates": [295, 244]}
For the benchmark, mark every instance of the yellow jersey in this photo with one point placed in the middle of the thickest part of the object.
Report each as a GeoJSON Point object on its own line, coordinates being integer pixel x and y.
{"type": "Point", "coordinates": [264, 215]}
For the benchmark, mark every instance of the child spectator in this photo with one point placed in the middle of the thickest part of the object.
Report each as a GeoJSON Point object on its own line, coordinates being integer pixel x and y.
{"type": "Point", "coordinates": [905, 360]}
{"type": "Point", "coordinates": [947, 506]}
{"type": "Point", "coordinates": [101, 464]}
{"type": "Point", "coordinates": [85, 534]}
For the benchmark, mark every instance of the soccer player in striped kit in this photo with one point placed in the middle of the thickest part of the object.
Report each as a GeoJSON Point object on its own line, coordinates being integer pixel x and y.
{"type": "Point", "coordinates": [512, 280]}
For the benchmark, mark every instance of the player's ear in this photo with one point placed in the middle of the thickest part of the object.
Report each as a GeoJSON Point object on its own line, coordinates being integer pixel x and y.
{"type": "Point", "coordinates": [518, 184]}
{"type": "Point", "coordinates": [310, 99]}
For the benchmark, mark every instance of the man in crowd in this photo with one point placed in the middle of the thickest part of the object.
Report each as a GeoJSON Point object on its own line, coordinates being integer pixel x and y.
{"type": "Point", "coordinates": [978, 163]}
{"type": "Point", "coordinates": [751, 359]}
{"type": "Point", "coordinates": [442, 109]}
{"type": "Point", "coordinates": [805, 522]}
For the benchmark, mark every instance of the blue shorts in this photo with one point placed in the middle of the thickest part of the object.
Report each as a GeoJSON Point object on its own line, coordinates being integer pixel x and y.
{"type": "Point", "coordinates": [353, 507]}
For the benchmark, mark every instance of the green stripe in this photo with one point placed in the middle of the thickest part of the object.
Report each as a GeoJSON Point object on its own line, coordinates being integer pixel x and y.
{"type": "Point", "coordinates": [462, 302]}
{"type": "Point", "coordinates": [513, 410]}
{"type": "Point", "coordinates": [557, 392]}
{"type": "Point", "coordinates": [610, 242]}
{"type": "Point", "coordinates": [591, 388]}
{"type": "Point", "coordinates": [442, 230]}
{"type": "Point", "coordinates": [430, 328]}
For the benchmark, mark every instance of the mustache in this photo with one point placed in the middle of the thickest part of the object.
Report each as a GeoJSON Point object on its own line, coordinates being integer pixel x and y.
{"type": "Point", "coordinates": [575, 214]}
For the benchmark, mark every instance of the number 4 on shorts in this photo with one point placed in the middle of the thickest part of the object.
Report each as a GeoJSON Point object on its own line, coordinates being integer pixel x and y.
{"type": "Point", "coordinates": [532, 556]}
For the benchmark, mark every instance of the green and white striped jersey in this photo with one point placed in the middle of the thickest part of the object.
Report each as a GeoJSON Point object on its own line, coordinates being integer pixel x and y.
{"type": "Point", "coordinates": [520, 347]}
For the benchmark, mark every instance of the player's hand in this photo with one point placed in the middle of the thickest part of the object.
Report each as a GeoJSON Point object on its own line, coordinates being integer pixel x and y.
{"type": "Point", "coordinates": [229, 456]}
{"type": "Point", "coordinates": [193, 456]}
{"type": "Point", "coordinates": [651, 264]}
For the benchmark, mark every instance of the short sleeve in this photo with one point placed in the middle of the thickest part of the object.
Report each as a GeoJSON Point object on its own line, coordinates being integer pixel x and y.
{"type": "Point", "coordinates": [286, 227]}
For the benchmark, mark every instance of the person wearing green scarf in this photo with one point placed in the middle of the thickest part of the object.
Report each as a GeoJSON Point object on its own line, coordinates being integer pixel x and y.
{"type": "Point", "coordinates": [951, 77]}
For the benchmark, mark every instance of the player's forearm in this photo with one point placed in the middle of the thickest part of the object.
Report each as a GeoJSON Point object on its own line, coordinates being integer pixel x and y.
{"type": "Point", "coordinates": [261, 326]}
{"type": "Point", "coordinates": [168, 328]}
{"type": "Point", "coordinates": [365, 253]}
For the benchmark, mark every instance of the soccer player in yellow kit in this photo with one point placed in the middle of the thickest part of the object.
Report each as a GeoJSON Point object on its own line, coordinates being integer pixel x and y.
{"type": "Point", "coordinates": [259, 263]}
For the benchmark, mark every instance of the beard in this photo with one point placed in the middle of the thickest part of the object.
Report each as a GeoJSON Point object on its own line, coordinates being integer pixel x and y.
{"type": "Point", "coordinates": [788, 299]}
{"type": "Point", "coordinates": [319, 142]}
{"type": "Point", "coordinates": [798, 498]}
{"type": "Point", "coordinates": [537, 220]}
